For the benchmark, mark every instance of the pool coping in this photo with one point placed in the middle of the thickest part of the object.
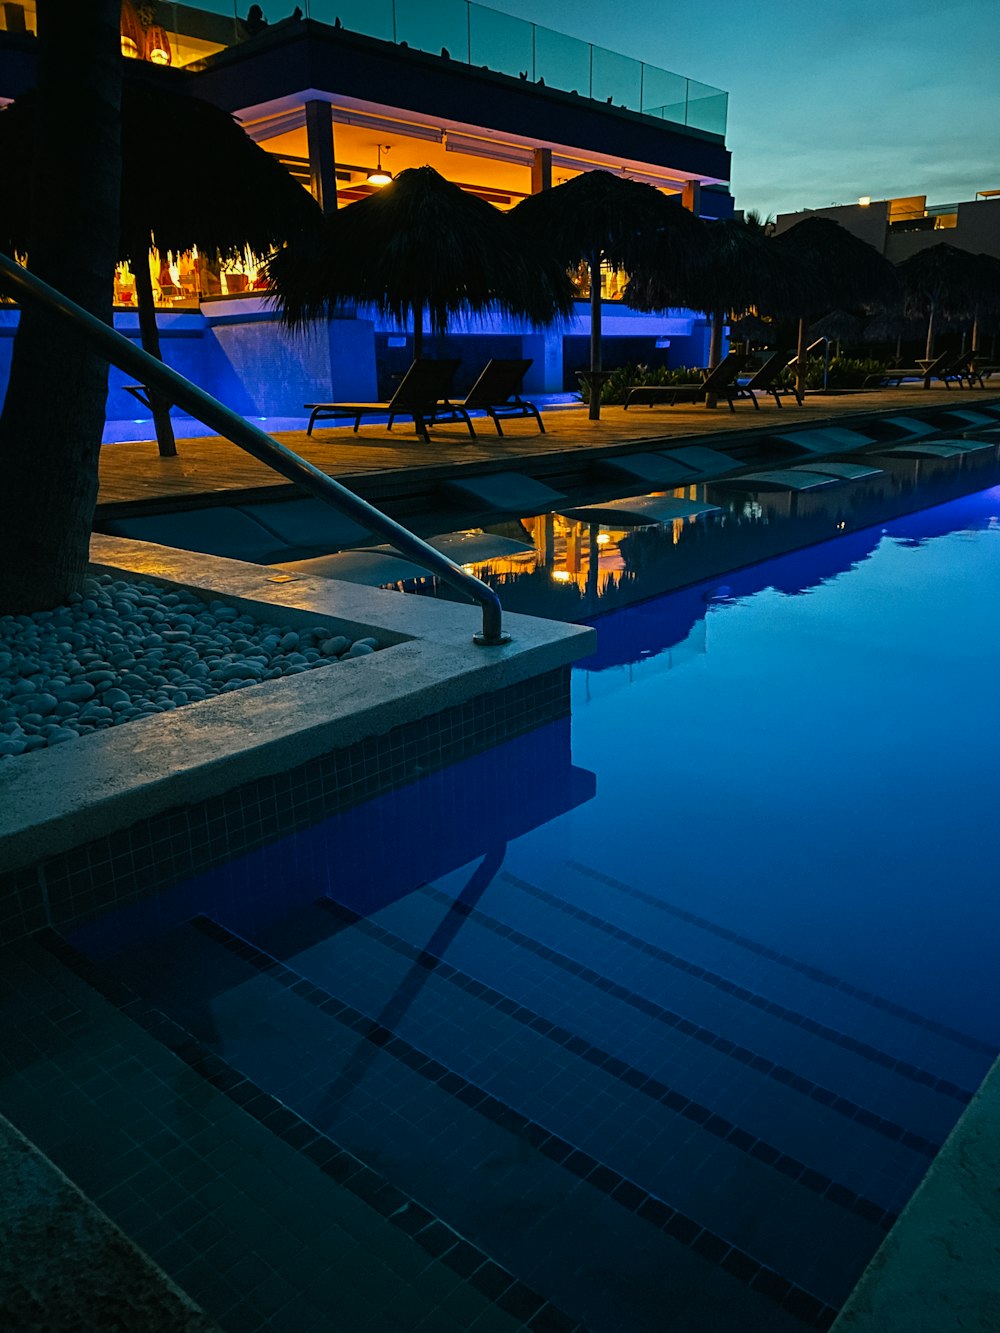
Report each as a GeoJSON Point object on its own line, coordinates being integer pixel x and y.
{"type": "Point", "coordinates": [937, 1268]}
{"type": "Point", "coordinates": [56, 799]}
{"type": "Point", "coordinates": [65, 1261]}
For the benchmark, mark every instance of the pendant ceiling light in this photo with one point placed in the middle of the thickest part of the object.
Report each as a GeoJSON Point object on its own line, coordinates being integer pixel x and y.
{"type": "Point", "coordinates": [158, 46]}
{"type": "Point", "coordinates": [132, 34]}
{"type": "Point", "coordinates": [380, 176]}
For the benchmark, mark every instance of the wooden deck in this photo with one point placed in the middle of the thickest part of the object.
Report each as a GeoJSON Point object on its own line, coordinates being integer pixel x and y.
{"type": "Point", "coordinates": [133, 473]}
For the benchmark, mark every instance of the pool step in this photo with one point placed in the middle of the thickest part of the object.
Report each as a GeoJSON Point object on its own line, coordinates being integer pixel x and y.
{"type": "Point", "coordinates": [255, 1222]}
{"type": "Point", "coordinates": [893, 1089]}
{"type": "Point", "coordinates": [836, 1135]}
{"type": "Point", "coordinates": [954, 1061]}
{"type": "Point", "coordinates": [575, 1088]}
{"type": "Point", "coordinates": [764, 1114]}
{"type": "Point", "coordinates": [530, 1199]}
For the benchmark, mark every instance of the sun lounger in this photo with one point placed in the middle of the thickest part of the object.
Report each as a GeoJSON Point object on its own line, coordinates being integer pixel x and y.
{"type": "Point", "coordinates": [719, 383]}
{"type": "Point", "coordinates": [423, 394]}
{"type": "Point", "coordinates": [979, 368]}
{"type": "Point", "coordinates": [498, 391]}
{"type": "Point", "coordinates": [894, 375]}
{"type": "Point", "coordinates": [767, 379]}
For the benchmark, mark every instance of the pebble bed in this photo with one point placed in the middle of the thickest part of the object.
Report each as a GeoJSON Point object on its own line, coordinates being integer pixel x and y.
{"type": "Point", "coordinates": [122, 650]}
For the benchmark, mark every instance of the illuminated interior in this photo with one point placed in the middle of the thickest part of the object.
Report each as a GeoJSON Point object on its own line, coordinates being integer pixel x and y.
{"type": "Point", "coordinates": [496, 167]}
{"type": "Point", "coordinates": [18, 17]}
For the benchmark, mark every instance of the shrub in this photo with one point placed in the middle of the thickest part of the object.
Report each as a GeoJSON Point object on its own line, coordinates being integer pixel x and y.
{"type": "Point", "coordinates": [623, 378]}
{"type": "Point", "coordinates": [844, 372]}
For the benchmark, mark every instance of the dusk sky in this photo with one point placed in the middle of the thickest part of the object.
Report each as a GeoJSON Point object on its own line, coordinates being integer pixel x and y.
{"type": "Point", "coordinates": [828, 101]}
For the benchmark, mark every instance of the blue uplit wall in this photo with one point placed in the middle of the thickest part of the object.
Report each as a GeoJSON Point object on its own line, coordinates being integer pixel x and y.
{"type": "Point", "coordinates": [237, 350]}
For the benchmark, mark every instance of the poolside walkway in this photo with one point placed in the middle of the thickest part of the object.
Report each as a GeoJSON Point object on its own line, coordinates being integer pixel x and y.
{"type": "Point", "coordinates": [132, 472]}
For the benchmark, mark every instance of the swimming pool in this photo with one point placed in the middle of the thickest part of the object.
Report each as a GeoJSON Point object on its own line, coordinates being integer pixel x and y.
{"type": "Point", "coordinates": [674, 1051]}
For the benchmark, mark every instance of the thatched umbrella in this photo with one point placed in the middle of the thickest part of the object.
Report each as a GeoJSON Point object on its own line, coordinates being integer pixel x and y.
{"type": "Point", "coordinates": [838, 326]}
{"type": "Point", "coordinates": [598, 218]}
{"type": "Point", "coordinates": [987, 308]}
{"type": "Point", "coordinates": [892, 325]}
{"type": "Point", "coordinates": [418, 245]}
{"type": "Point", "coordinates": [830, 268]}
{"type": "Point", "coordinates": [227, 195]}
{"type": "Point", "coordinates": [752, 329]}
{"type": "Point", "coordinates": [941, 282]}
{"type": "Point", "coordinates": [736, 268]}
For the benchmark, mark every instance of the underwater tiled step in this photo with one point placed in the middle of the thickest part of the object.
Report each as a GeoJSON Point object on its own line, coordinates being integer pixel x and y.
{"type": "Point", "coordinates": [893, 1089]}
{"type": "Point", "coordinates": [256, 1232]}
{"type": "Point", "coordinates": [592, 1243]}
{"type": "Point", "coordinates": [955, 1056]}
{"type": "Point", "coordinates": [582, 1094]}
{"type": "Point", "coordinates": [839, 1140]}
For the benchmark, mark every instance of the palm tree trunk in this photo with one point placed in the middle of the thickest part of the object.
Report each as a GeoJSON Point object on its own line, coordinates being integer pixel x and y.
{"type": "Point", "coordinates": [800, 362]}
{"type": "Point", "coordinates": [53, 413]}
{"type": "Point", "coordinates": [150, 335]}
{"type": "Point", "coordinates": [418, 330]}
{"type": "Point", "coordinates": [595, 337]}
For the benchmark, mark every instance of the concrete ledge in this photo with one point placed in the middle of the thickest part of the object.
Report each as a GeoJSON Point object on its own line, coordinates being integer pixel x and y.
{"type": "Point", "coordinates": [939, 1268]}
{"type": "Point", "coordinates": [53, 800]}
{"type": "Point", "coordinates": [64, 1265]}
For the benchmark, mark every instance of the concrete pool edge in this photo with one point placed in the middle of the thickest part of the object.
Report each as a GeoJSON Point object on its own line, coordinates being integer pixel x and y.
{"type": "Point", "coordinates": [57, 799]}
{"type": "Point", "coordinates": [939, 1267]}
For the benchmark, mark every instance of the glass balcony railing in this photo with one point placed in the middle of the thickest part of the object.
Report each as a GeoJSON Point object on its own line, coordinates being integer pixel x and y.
{"type": "Point", "coordinates": [473, 34]}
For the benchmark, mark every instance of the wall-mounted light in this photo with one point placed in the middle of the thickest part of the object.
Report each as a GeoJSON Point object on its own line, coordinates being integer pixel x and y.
{"type": "Point", "coordinates": [380, 176]}
{"type": "Point", "coordinates": [865, 200]}
{"type": "Point", "coordinates": [132, 35]}
{"type": "Point", "coordinates": [158, 46]}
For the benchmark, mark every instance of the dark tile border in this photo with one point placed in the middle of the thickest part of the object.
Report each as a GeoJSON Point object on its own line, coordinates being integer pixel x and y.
{"type": "Point", "coordinates": [690, 1233]}
{"type": "Point", "coordinates": [649, 1086]}
{"type": "Point", "coordinates": [805, 969]}
{"type": "Point", "coordinates": [902, 1067]}
{"type": "Point", "coordinates": [436, 1238]}
{"type": "Point", "coordinates": [156, 853]}
{"type": "Point", "coordinates": [777, 1073]}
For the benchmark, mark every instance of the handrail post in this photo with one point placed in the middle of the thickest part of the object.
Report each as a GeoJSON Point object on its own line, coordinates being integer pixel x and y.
{"type": "Point", "coordinates": [28, 289]}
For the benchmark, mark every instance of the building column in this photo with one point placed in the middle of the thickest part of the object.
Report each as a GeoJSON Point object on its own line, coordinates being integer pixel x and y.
{"type": "Point", "coordinates": [541, 170]}
{"type": "Point", "coordinates": [322, 164]}
{"type": "Point", "coordinates": [691, 198]}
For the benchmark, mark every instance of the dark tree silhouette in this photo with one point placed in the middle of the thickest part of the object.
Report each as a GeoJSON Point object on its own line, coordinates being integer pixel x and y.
{"type": "Point", "coordinates": [235, 196]}
{"type": "Point", "coordinates": [53, 413]}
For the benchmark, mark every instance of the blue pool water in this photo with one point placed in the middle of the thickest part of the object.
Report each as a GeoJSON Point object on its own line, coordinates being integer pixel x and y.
{"type": "Point", "coordinates": [709, 992]}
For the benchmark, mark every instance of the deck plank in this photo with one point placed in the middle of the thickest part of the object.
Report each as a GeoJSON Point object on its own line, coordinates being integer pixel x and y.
{"type": "Point", "coordinates": [133, 472]}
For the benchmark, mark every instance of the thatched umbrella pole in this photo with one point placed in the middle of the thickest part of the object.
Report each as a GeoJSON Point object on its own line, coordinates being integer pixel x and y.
{"type": "Point", "coordinates": [596, 363]}
{"type": "Point", "coordinates": [800, 360]}
{"type": "Point", "coordinates": [929, 349]}
{"type": "Point", "coordinates": [150, 336]}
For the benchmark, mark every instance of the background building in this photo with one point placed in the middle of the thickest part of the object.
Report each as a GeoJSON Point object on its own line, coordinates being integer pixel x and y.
{"type": "Point", "coordinates": [898, 228]}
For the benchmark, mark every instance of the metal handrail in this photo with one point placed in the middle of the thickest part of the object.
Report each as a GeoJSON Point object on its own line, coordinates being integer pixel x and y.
{"type": "Point", "coordinates": [201, 405]}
